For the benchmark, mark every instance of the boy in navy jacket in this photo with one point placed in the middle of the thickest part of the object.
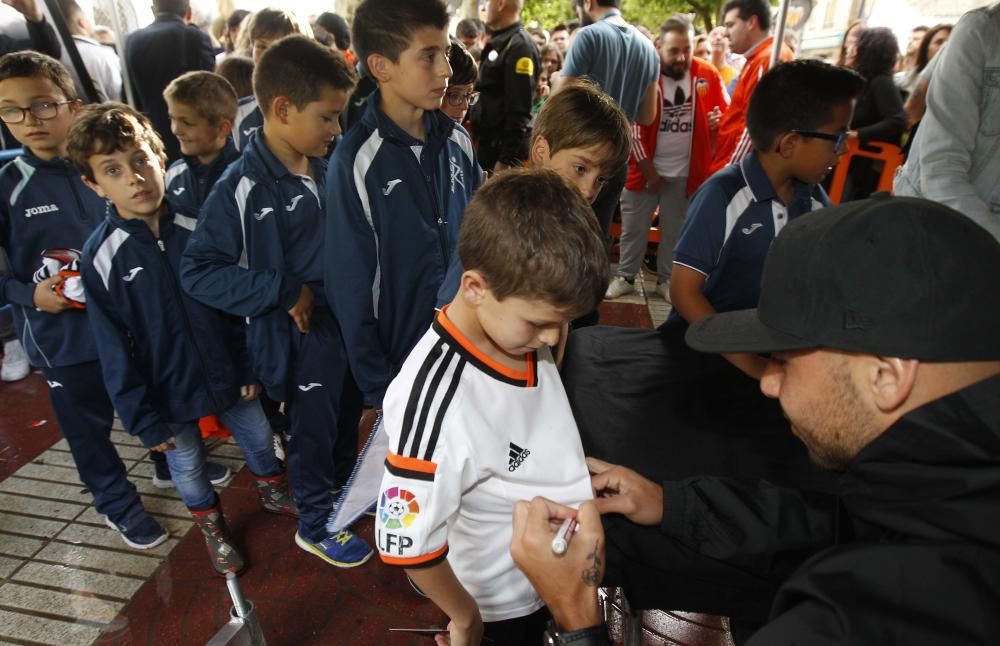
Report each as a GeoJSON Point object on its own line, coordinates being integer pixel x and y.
{"type": "Point", "coordinates": [46, 214]}
{"type": "Point", "coordinates": [397, 187]}
{"type": "Point", "coordinates": [167, 359]}
{"type": "Point", "coordinates": [202, 107]}
{"type": "Point", "coordinates": [257, 252]}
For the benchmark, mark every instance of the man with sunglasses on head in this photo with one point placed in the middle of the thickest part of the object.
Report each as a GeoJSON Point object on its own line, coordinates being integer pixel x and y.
{"type": "Point", "coordinates": [508, 73]}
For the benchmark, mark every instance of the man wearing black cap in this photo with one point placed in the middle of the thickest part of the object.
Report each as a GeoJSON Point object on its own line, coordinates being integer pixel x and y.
{"type": "Point", "coordinates": [884, 355]}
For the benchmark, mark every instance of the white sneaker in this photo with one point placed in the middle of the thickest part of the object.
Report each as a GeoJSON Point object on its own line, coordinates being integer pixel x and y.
{"type": "Point", "coordinates": [618, 287]}
{"type": "Point", "coordinates": [663, 289]}
{"type": "Point", "coordinates": [15, 362]}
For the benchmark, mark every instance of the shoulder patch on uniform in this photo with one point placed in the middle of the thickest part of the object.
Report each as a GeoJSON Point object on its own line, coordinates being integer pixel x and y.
{"type": "Point", "coordinates": [525, 65]}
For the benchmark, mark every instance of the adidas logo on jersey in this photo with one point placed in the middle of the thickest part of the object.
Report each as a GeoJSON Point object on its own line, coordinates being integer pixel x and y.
{"type": "Point", "coordinates": [516, 456]}
{"type": "Point", "coordinates": [38, 210]}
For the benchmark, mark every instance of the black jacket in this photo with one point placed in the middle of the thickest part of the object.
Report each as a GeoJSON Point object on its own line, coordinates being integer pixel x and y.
{"type": "Point", "coordinates": [501, 120]}
{"type": "Point", "coordinates": [879, 114]}
{"type": "Point", "coordinates": [912, 555]}
{"type": "Point", "coordinates": [158, 54]}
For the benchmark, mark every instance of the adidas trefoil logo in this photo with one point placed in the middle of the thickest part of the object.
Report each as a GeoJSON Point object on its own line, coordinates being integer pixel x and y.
{"type": "Point", "coordinates": [517, 455]}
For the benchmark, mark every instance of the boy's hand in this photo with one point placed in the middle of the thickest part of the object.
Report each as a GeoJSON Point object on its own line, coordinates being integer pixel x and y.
{"type": "Point", "coordinates": [714, 117]}
{"type": "Point", "coordinates": [302, 311]}
{"type": "Point", "coordinates": [470, 635]}
{"type": "Point", "coordinates": [165, 446]}
{"type": "Point", "coordinates": [28, 8]}
{"type": "Point", "coordinates": [625, 492]}
{"type": "Point", "coordinates": [567, 583]}
{"type": "Point", "coordinates": [250, 392]}
{"type": "Point", "coordinates": [47, 299]}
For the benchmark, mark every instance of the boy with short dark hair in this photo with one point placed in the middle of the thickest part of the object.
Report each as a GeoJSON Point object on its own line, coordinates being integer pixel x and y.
{"type": "Point", "coordinates": [478, 417]}
{"type": "Point", "coordinates": [166, 359]}
{"type": "Point", "coordinates": [257, 252]}
{"type": "Point", "coordinates": [398, 184]}
{"type": "Point", "coordinates": [46, 214]}
{"type": "Point", "coordinates": [798, 120]}
{"type": "Point", "coordinates": [266, 27]}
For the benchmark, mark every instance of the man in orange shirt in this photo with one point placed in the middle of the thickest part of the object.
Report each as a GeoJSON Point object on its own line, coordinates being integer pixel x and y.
{"type": "Point", "coordinates": [748, 24]}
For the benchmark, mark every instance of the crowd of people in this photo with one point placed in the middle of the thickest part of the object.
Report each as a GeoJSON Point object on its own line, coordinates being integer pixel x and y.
{"type": "Point", "coordinates": [305, 219]}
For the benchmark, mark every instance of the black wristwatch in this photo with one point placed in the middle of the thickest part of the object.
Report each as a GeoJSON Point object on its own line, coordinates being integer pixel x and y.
{"type": "Point", "coordinates": [593, 636]}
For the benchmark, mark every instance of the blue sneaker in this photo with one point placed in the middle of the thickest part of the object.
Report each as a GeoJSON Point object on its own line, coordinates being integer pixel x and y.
{"type": "Point", "coordinates": [145, 534]}
{"type": "Point", "coordinates": [343, 549]}
{"type": "Point", "coordinates": [218, 475]}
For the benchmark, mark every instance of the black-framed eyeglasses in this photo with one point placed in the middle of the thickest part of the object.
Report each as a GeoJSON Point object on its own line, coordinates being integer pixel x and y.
{"type": "Point", "coordinates": [839, 140]}
{"type": "Point", "coordinates": [43, 111]}
{"type": "Point", "coordinates": [459, 100]}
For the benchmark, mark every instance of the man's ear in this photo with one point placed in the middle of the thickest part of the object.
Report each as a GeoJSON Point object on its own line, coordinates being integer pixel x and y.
{"type": "Point", "coordinates": [891, 381]}
{"type": "Point", "coordinates": [379, 67]}
{"type": "Point", "coordinates": [540, 152]}
{"type": "Point", "coordinates": [93, 186]}
{"type": "Point", "coordinates": [473, 287]}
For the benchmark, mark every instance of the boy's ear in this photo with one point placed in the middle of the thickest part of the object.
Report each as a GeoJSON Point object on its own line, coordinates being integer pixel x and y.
{"type": "Point", "coordinates": [378, 65]}
{"type": "Point", "coordinates": [540, 152]}
{"type": "Point", "coordinates": [786, 144]}
{"type": "Point", "coordinates": [473, 287]}
{"type": "Point", "coordinates": [279, 108]}
{"type": "Point", "coordinates": [225, 128]}
{"type": "Point", "coordinates": [93, 186]}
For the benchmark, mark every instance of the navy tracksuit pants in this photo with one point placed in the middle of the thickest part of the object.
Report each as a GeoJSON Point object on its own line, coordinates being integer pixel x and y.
{"type": "Point", "coordinates": [324, 407]}
{"type": "Point", "coordinates": [85, 413]}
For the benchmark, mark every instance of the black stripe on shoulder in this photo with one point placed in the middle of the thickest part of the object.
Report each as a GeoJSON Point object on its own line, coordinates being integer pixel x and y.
{"type": "Point", "coordinates": [415, 391]}
{"type": "Point", "coordinates": [474, 360]}
{"type": "Point", "coordinates": [425, 410]}
{"type": "Point", "coordinates": [445, 403]}
{"type": "Point", "coordinates": [408, 473]}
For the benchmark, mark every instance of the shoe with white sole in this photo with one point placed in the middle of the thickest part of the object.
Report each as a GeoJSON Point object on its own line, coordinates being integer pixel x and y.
{"type": "Point", "coordinates": [15, 362]}
{"type": "Point", "coordinates": [618, 287]}
{"type": "Point", "coordinates": [144, 534]}
{"type": "Point", "coordinates": [343, 549]}
{"type": "Point", "coordinates": [663, 290]}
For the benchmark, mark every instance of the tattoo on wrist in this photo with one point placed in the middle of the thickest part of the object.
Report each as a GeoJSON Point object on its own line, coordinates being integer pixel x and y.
{"type": "Point", "coordinates": [592, 575]}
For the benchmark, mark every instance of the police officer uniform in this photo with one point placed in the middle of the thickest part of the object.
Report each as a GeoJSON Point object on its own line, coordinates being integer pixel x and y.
{"type": "Point", "coordinates": [508, 73]}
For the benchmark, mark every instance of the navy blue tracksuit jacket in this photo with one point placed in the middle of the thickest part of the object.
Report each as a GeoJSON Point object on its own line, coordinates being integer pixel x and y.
{"type": "Point", "coordinates": [189, 182]}
{"type": "Point", "coordinates": [258, 241]}
{"type": "Point", "coordinates": [166, 358]}
{"type": "Point", "coordinates": [394, 208]}
{"type": "Point", "coordinates": [44, 205]}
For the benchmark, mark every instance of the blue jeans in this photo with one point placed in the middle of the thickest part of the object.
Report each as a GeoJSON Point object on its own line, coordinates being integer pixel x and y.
{"type": "Point", "coordinates": [249, 426]}
{"type": "Point", "coordinates": [187, 467]}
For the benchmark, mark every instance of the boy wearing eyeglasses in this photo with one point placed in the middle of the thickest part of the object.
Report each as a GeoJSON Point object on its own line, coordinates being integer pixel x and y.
{"type": "Point", "coordinates": [798, 120]}
{"type": "Point", "coordinates": [46, 215]}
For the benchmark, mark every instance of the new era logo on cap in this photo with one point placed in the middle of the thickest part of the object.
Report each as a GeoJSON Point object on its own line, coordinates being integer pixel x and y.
{"type": "Point", "coordinates": [516, 456]}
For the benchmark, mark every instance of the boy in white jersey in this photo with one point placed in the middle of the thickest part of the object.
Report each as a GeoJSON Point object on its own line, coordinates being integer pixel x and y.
{"type": "Point", "coordinates": [477, 418]}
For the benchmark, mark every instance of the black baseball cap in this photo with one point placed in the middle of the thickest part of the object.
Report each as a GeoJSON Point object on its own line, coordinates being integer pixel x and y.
{"type": "Point", "coordinates": [891, 276]}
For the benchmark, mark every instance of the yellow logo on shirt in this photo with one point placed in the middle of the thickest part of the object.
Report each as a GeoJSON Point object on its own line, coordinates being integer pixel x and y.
{"type": "Point", "coordinates": [525, 65]}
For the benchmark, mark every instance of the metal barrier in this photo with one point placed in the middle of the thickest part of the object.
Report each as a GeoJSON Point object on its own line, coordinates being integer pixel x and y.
{"type": "Point", "coordinates": [243, 628]}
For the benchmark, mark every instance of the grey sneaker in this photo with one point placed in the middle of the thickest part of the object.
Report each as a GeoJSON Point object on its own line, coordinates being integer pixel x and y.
{"type": "Point", "coordinates": [618, 287]}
